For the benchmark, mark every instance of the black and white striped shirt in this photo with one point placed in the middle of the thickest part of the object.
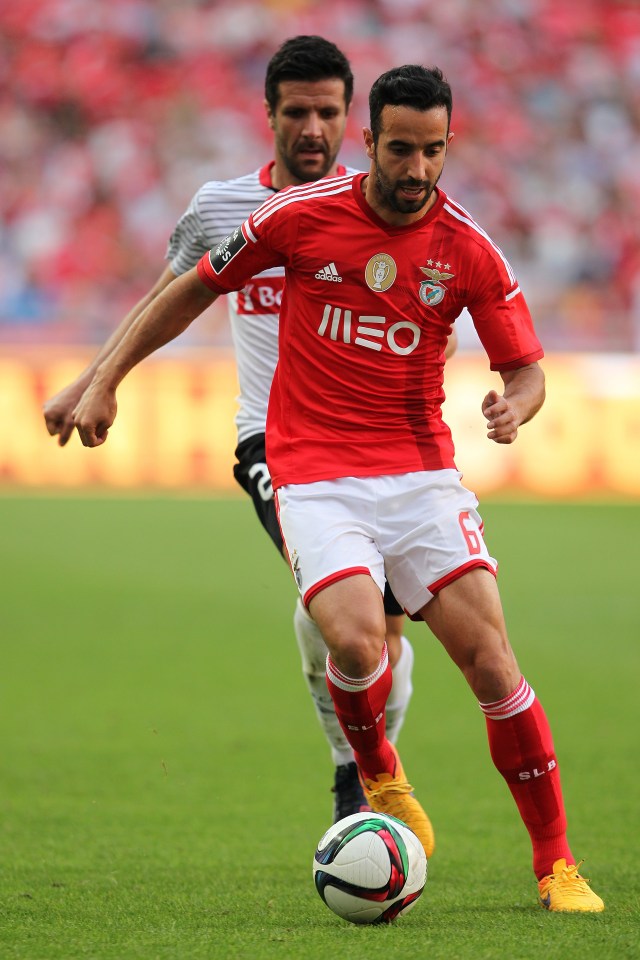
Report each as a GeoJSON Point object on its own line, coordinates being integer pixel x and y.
{"type": "Point", "coordinates": [216, 209]}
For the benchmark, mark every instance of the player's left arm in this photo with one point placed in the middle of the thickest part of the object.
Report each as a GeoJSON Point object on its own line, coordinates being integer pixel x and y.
{"type": "Point", "coordinates": [523, 395]}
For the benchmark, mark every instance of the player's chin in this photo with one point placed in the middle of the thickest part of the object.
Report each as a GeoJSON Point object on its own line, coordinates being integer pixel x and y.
{"type": "Point", "coordinates": [403, 202]}
{"type": "Point", "coordinates": [311, 168]}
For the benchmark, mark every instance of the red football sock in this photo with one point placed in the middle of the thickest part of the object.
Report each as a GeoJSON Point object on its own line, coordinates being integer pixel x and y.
{"type": "Point", "coordinates": [360, 705]}
{"type": "Point", "coordinates": [522, 750]}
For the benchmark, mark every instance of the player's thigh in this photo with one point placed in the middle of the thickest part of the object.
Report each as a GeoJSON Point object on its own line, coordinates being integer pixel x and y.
{"type": "Point", "coordinates": [467, 618]}
{"type": "Point", "coordinates": [350, 616]}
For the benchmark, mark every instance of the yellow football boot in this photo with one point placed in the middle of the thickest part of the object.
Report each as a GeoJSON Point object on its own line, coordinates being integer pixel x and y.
{"type": "Point", "coordinates": [565, 891]}
{"type": "Point", "coordinates": [393, 794]}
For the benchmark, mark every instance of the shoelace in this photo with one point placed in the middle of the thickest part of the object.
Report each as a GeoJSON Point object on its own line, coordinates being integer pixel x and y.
{"type": "Point", "coordinates": [568, 874]}
{"type": "Point", "coordinates": [399, 788]}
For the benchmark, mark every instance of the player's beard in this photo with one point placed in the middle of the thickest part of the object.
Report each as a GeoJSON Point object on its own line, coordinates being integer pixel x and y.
{"type": "Point", "coordinates": [387, 192]}
{"type": "Point", "coordinates": [294, 163]}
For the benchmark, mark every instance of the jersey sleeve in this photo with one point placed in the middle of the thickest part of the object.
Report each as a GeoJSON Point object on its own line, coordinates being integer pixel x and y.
{"type": "Point", "coordinates": [188, 242]}
{"type": "Point", "coordinates": [501, 316]}
{"type": "Point", "coordinates": [260, 243]}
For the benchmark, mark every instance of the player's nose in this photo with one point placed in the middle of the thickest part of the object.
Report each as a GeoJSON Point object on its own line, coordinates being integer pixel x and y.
{"type": "Point", "coordinates": [417, 167]}
{"type": "Point", "coordinates": [313, 126]}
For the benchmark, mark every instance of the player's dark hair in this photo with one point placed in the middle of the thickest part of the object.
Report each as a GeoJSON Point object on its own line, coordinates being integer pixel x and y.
{"type": "Point", "coordinates": [420, 88]}
{"type": "Point", "coordinates": [307, 58]}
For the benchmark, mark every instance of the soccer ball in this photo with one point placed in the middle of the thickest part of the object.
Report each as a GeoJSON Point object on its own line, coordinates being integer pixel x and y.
{"type": "Point", "coordinates": [369, 868]}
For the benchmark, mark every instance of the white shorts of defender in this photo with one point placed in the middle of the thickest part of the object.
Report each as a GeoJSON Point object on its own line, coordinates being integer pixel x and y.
{"type": "Point", "coordinates": [421, 530]}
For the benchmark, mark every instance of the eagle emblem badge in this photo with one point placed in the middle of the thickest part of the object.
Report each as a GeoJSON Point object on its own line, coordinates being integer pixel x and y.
{"type": "Point", "coordinates": [432, 291]}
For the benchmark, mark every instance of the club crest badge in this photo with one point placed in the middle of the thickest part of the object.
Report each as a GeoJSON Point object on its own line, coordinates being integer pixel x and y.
{"type": "Point", "coordinates": [295, 568]}
{"type": "Point", "coordinates": [381, 272]}
{"type": "Point", "coordinates": [432, 291]}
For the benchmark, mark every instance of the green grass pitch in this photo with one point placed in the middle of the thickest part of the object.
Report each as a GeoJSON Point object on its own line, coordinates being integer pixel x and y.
{"type": "Point", "coordinates": [163, 780]}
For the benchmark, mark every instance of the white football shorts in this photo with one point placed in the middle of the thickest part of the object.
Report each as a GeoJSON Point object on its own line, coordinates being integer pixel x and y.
{"type": "Point", "coordinates": [421, 530]}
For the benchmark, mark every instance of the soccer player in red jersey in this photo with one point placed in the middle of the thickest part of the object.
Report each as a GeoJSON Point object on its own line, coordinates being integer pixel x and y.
{"type": "Point", "coordinates": [377, 268]}
{"type": "Point", "coordinates": [308, 91]}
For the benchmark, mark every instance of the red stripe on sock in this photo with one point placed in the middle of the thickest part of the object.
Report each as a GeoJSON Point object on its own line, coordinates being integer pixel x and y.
{"type": "Point", "coordinates": [521, 698]}
{"type": "Point", "coordinates": [356, 683]}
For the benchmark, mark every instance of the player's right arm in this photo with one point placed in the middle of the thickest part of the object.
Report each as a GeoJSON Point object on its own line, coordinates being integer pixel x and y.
{"type": "Point", "coordinates": [58, 410]}
{"type": "Point", "coordinates": [165, 318]}
{"type": "Point", "coordinates": [243, 254]}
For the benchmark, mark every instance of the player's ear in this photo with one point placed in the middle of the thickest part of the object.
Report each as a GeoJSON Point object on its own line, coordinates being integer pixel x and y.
{"type": "Point", "coordinates": [450, 137]}
{"type": "Point", "coordinates": [269, 112]}
{"type": "Point", "coordinates": [368, 142]}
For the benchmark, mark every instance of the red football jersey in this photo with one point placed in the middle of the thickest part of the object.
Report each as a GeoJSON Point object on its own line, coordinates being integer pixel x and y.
{"type": "Point", "coordinates": [364, 322]}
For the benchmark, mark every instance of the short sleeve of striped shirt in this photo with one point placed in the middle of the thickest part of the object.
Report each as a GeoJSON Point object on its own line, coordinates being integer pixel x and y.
{"type": "Point", "coordinates": [188, 242]}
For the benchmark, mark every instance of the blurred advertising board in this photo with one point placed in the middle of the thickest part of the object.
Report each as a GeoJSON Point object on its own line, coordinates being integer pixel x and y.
{"type": "Point", "coordinates": [175, 428]}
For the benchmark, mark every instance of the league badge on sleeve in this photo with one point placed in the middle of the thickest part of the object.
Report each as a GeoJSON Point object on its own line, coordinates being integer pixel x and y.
{"type": "Point", "coordinates": [227, 249]}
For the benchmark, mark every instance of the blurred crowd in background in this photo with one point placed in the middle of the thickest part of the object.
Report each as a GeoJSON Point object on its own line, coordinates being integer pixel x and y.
{"type": "Point", "coordinates": [113, 112]}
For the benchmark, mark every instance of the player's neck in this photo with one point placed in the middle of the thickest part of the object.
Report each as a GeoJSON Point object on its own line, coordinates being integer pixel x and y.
{"type": "Point", "coordinates": [281, 177]}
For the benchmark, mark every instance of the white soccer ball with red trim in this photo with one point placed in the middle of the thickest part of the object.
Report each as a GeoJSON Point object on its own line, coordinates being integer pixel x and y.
{"type": "Point", "coordinates": [370, 868]}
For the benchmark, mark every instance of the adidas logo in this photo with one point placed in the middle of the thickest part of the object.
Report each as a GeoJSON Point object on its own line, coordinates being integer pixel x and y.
{"type": "Point", "coordinates": [329, 273]}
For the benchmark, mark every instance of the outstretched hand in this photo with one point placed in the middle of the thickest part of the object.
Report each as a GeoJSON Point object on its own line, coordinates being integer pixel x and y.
{"type": "Point", "coordinates": [502, 426]}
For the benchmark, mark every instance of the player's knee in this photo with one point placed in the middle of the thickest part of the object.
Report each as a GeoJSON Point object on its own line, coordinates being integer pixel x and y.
{"type": "Point", "coordinates": [492, 673]}
{"type": "Point", "coordinates": [355, 646]}
{"type": "Point", "coordinates": [357, 657]}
